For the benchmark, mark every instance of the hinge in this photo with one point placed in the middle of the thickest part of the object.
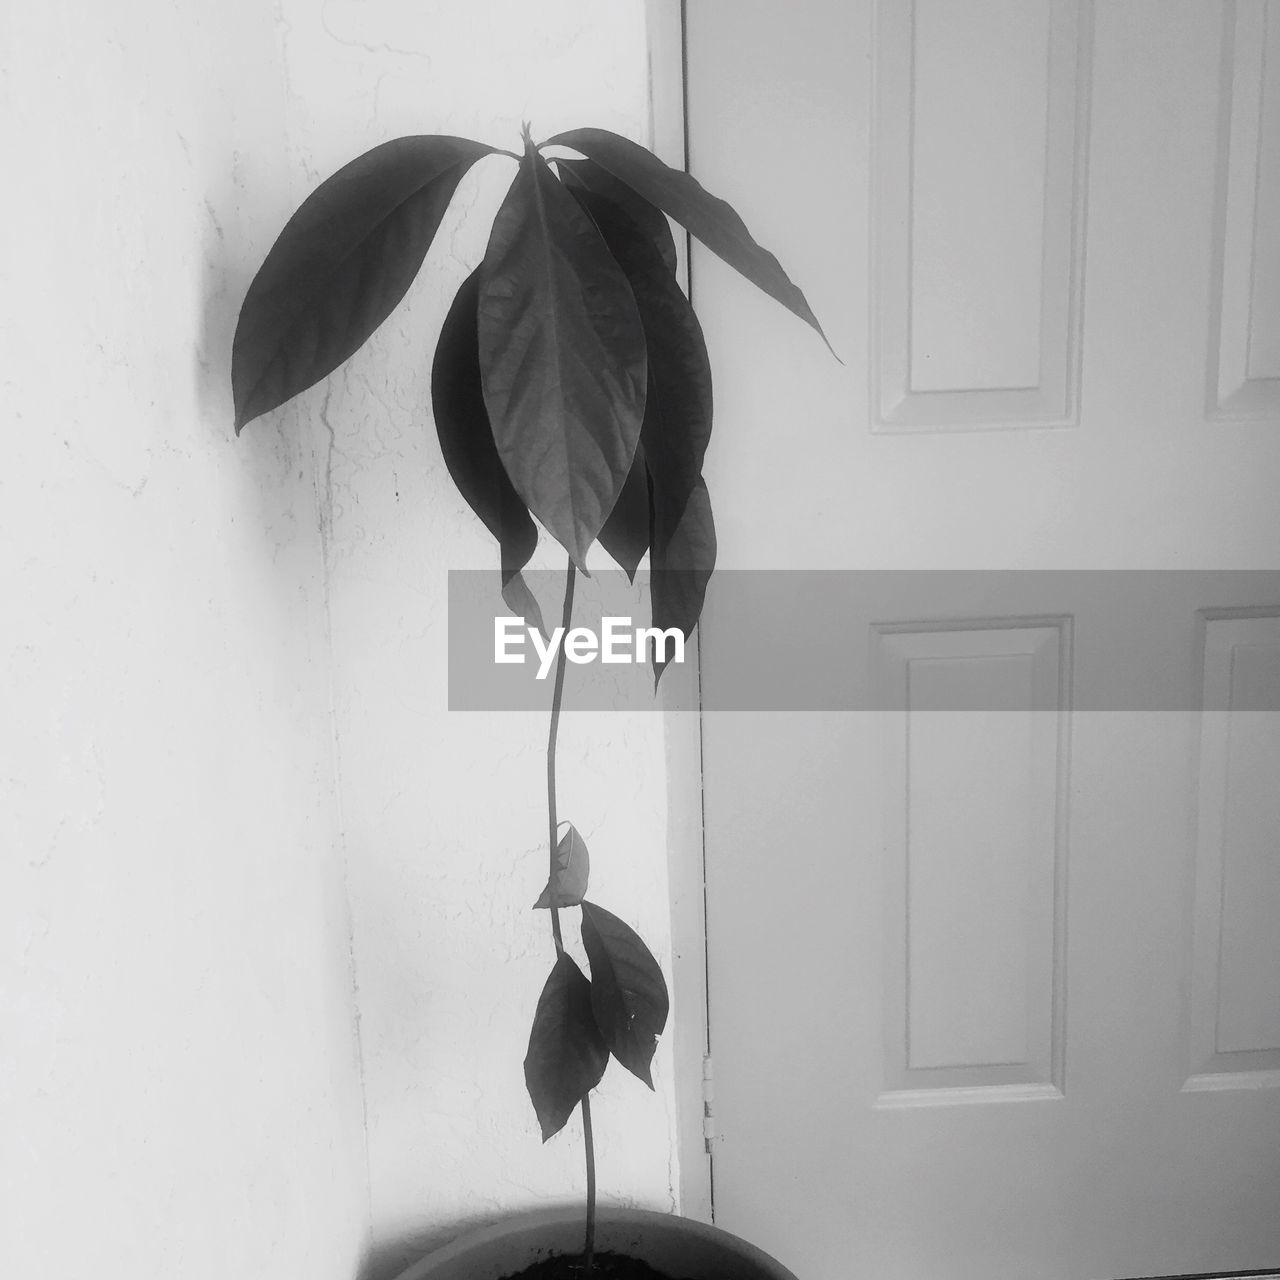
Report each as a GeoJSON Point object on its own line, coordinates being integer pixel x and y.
{"type": "Point", "coordinates": [709, 1134]}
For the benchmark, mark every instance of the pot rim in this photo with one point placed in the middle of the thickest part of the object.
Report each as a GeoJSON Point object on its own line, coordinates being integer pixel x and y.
{"type": "Point", "coordinates": [520, 1225]}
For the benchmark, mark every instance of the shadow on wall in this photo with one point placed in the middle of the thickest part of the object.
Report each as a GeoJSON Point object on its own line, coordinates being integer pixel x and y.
{"type": "Point", "coordinates": [226, 269]}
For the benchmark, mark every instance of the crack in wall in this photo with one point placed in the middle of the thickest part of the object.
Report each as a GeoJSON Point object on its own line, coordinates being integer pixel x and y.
{"type": "Point", "coordinates": [322, 484]}
{"type": "Point", "coordinates": [351, 42]}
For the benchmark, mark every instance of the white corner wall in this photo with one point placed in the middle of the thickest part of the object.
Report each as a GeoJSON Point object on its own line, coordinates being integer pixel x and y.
{"type": "Point", "coordinates": [179, 1089]}
{"type": "Point", "coordinates": [444, 814]}
{"type": "Point", "coordinates": [193, 876]}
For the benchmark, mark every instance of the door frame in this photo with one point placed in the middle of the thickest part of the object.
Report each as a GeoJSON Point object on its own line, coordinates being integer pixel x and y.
{"type": "Point", "coordinates": [681, 709]}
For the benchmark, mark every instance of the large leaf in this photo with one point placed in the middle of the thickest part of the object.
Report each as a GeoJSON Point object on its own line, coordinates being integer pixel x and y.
{"type": "Point", "coordinates": [678, 406]}
{"type": "Point", "coordinates": [625, 534]}
{"type": "Point", "coordinates": [567, 1055]}
{"type": "Point", "coordinates": [466, 443]}
{"type": "Point", "coordinates": [683, 557]}
{"type": "Point", "coordinates": [562, 357]}
{"type": "Point", "coordinates": [586, 175]}
{"type": "Point", "coordinates": [706, 216]}
{"type": "Point", "coordinates": [573, 868]}
{"type": "Point", "coordinates": [676, 429]}
{"type": "Point", "coordinates": [628, 992]}
{"type": "Point", "coordinates": [341, 265]}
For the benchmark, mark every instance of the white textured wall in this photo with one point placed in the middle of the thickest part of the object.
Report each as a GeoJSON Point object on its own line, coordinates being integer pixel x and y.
{"type": "Point", "coordinates": [444, 814]}
{"type": "Point", "coordinates": [180, 1082]}
{"type": "Point", "coordinates": [179, 1093]}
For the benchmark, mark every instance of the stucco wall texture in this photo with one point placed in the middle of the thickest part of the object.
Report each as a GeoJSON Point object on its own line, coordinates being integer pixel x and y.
{"type": "Point", "coordinates": [267, 962]}
{"type": "Point", "coordinates": [179, 1088]}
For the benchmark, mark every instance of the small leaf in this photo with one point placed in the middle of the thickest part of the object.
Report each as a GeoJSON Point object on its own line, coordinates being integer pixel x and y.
{"type": "Point", "coordinates": [341, 265]}
{"type": "Point", "coordinates": [562, 357]}
{"type": "Point", "coordinates": [469, 451]}
{"type": "Point", "coordinates": [523, 603]}
{"type": "Point", "coordinates": [573, 866]}
{"type": "Point", "coordinates": [628, 992]}
{"type": "Point", "coordinates": [684, 555]}
{"type": "Point", "coordinates": [567, 1055]}
{"type": "Point", "coordinates": [586, 175]}
{"type": "Point", "coordinates": [706, 216]}
{"type": "Point", "coordinates": [625, 534]}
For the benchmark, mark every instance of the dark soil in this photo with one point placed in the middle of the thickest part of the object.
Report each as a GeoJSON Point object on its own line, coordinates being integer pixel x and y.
{"type": "Point", "coordinates": [604, 1266]}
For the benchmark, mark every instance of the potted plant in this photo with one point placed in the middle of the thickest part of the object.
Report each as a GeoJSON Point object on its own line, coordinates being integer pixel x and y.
{"type": "Point", "coordinates": [570, 385]}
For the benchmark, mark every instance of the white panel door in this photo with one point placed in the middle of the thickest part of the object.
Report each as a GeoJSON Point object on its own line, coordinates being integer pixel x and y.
{"type": "Point", "coordinates": [994, 969]}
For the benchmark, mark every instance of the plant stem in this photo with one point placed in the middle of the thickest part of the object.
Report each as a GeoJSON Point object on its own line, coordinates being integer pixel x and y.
{"type": "Point", "coordinates": [553, 879]}
{"type": "Point", "coordinates": [590, 1246]}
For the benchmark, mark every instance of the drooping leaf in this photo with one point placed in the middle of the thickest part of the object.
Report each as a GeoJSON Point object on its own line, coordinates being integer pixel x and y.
{"type": "Point", "coordinates": [676, 429]}
{"type": "Point", "coordinates": [562, 357]}
{"type": "Point", "coordinates": [625, 534]}
{"type": "Point", "coordinates": [340, 266]}
{"type": "Point", "coordinates": [586, 175]}
{"type": "Point", "coordinates": [628, 992]}
{"type": "Point", "coordinates": [523, 603]}
{"type": "Point", "coordinates": [567, 1055]}
{"type": "Point", "coordinates": [678, 405]}
{"type": "Point", "coordinates": [684, 555]}
{"type": "Point", "coordinates": [709, 218]}
{"type": "Point", "coordinates": [469, 451]}
{"type": "Point", "coordinates": [573, 867]}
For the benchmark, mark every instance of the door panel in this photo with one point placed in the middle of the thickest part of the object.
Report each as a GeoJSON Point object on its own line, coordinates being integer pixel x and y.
{"type": "Point", "coordinates": [993, 969]}
{"type": "Point", "coordinates": [979, 183]}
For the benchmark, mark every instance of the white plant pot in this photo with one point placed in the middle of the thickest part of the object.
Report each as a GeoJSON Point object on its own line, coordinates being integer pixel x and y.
{"type": "Point", "coordinates": [680, 1247]}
